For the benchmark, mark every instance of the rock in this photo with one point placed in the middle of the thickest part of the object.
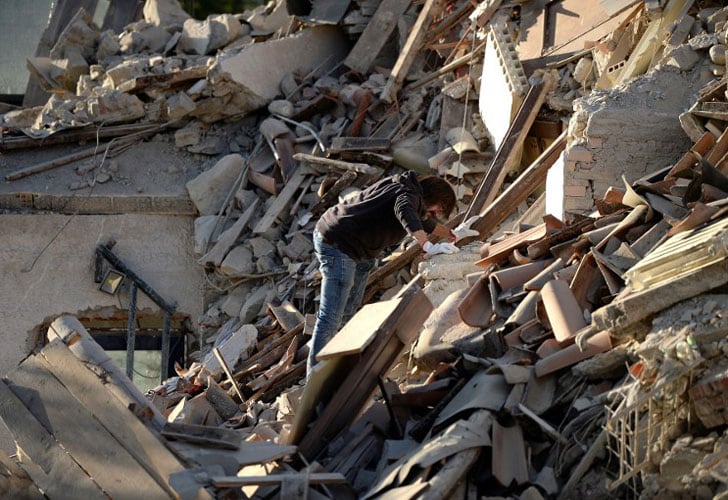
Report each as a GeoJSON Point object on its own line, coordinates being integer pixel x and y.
{"type": "Point", "coordinates": [143, 36]}
{"type": "Point", "coordinates": [682, 57]}
{"type": "Point", "coordinates": [281, 107]}
{"type": "Point", "coordinates": [244, 88]}
{"type": "Point", "coordinates": [179, 105]}
{"type": "Point", "coordinates": [583, 70]}
{"type": "Point", "coordinates": [164, 13]}
{"type": "Point", "coordinates": [238, 262]}
{"type": "Point", "coordinates": [189, 135]}
{"type": "Point", "coordinates": [261, 247]}
{"type": "Point", "coordinates": [203, 231]}
{"type": "Point", "coordinates": [209, 189]}
{"type": "Point", "coordinates": [717, 53]}
{"type": "Point", "coordinates": [212, 145]}
{"type": "Point", "coordinates": [234, 300]}
{"type": "Point", "coordinates": [233, 347]}
{"type": "Point", "coordinates": [256, 301]}
{"type": "Point", "coordinates": [203, 37]}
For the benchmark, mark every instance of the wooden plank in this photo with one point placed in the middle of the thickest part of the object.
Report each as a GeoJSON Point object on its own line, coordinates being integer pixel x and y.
{"type": "Point", "coordinates": [641, 56]}
{"type": "Point", "coordinates": [48, 465]}
{"type": "Point", "coordinates": [73, 135]}
{"type": "Point", "coordinates": [140, 442]}
{"type": "Point", "coordinates": [313, 478]}
{"type": "Point", "coordinates": [375, 35]}
{"type": "Point", "coordinates": [76, 429]}
{"type": "Point", "coordinates": [219, 437]}
{"type": "Point", "coordinates": [397, 331]}
{"type": "Point", "coordinates": [510, 147]}
{"type": "Point", "coordinates": [359, 332]}
{"type": "Point", "coordinates": [279, 204]}
{"type": "Point", "coordinates": [530, 179]}
{"type": "Point", "coordinates": [408, 53]}
{"type": "Point", "coordinates": [228, 238]}
{"type": "Point", "coordinates": [84, 347]}
{"type": "Point", "coordinates": [15, 482]}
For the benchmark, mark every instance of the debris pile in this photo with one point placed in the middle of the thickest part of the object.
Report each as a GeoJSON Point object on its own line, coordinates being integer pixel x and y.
{"type": "Point", "coordinates": [578, 351]}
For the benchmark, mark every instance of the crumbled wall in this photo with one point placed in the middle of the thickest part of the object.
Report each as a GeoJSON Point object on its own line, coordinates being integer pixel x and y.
{"type": "Point", "coordinates": [631, 130]}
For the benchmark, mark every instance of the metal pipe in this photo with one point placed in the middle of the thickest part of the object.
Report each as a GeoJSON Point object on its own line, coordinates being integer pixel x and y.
{"type": "Point", "coordinates": [131, 331]}
{"type": "Point", "coordinates": [164, 369]}
{"type": "Point", "coordinates": [305, 127]}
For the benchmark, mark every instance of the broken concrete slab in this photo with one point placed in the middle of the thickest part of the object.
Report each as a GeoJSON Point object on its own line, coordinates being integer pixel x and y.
{"type": "Point", "coordinates": [319, 48]}
{"type": "Point", "coordinates": [209, 190]}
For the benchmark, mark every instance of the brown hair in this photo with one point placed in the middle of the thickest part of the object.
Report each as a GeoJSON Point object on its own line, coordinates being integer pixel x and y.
{"type": "Point", "coordinates": [437, 191]}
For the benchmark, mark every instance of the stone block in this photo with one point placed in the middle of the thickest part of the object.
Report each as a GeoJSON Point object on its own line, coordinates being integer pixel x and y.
{"type": "Point", "coordinates": [238, 262]}
{"type": "Point", "coordinates": [209, 189]}
{"type": "Point", "coordinates": [164, 12]}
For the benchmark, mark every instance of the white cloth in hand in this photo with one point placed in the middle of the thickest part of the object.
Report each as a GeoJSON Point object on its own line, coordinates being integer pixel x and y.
{"type": "Point", "coordinates": [463, 230]}
{"type": "Point", "coordinates": [437, 248]}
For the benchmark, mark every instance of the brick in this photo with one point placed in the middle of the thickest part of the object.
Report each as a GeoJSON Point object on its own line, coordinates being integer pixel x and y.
{"type": "Point", "coordinates": [575, 191]}
{"type": "Point", "coordinates": [578, 153]}
{"type": "Point", "coordinates": [594, 142]}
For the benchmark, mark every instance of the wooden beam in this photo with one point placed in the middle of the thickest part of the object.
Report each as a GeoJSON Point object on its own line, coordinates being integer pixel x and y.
{"type": "Point", "coordinates": [529, 180]}
{"type": "Point", "coordinates": [139, 440]}
{"type": "Point", "coordinates": [375, 35]}
{"type": "Point", "coordinates": [509, 149]}
{"type": "Point", "coordinates": [228, 238]}
{"type": "Point", "coordinates": [408, 53]}
{"type": "Point", "coordinates": [49, 466]}
{"type": "Point", "coordinates": [281, 201]}
{"type": "Point", "coordinates": [79, 432]}
{"type": "Point", "coordinates": [393, 334]}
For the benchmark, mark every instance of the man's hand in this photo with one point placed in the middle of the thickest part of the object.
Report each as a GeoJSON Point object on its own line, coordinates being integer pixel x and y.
{"type": "Point", "coordinates": [438, 248]}
{"type": "Point", "coordinates": [463, 230]}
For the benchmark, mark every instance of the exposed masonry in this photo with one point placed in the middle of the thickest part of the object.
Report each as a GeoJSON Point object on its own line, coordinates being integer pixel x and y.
{"type": "Point", "coordinates": [635, 127]}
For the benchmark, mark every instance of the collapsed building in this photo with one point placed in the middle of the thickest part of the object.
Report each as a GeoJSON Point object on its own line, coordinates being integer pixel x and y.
{"type": "Point", "coordinates": [162, 180]}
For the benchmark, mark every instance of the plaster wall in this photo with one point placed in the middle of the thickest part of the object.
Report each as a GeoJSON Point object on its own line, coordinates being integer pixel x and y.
{"type": "Point", "coordinates": [47, 269]}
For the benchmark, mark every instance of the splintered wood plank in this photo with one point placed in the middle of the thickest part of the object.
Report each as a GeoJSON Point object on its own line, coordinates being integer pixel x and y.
{"type": "Point", "coordinates": [352, 393]}
{"type": "Point", "coordinates": [359, 332]}
{"type": "Point", "coordinates": [375, 35]}
{"type": "Point", "coordinates": [409, 51]}
{"type": "Point", "coordinates": [227, 239]}
{"type": "Point", "coordinates": [282, 200]}
{"type": "Point", "coordinates": [139, 440]}
{"type": "Point", "coordinates": [507, 153]}
{"type": "Point", "coordinates": [48, 465]}
{"type": "Point", "coordinates": [83, 437]}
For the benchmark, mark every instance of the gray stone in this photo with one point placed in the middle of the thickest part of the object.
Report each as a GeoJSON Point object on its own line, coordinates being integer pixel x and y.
{"type": "Point", "coordinates": [266, 263]}
{"type": "Point", "coordinates": [238, 262]}
{"type": "Point", "coordinates": [234, 300]}
{"type": "Point", "coordinates": [203, 231]}
{"type": "Point", "coordinates": [189, 135]}
{"type": "Point", "coordinates": [164, 12]}
{"type": "Point", "coordinates": [682, 57]}
{"type": "Point", "coordinates": [245, 198]}
{"type": "Point", "coordinates": [232, 347]}
{"type": "Point", "coordinates": [212, 145]}
{"type": "Point", "coordinates": [209, 189]}
{"type": "Point", "coordinates": [717, 54]}
{"type": "Point", "coordinates": [203, 37]}
{"type": "Point", "coordinates": [256, 301]}
{"type": "Point", "coordinates": [261, 247]}
{"type": "Point", "coordinates": [281, 107]}
{"type": "Point", "coordinates": [179, 105]}
{"type": "Point", "coordinates": [245, 88]}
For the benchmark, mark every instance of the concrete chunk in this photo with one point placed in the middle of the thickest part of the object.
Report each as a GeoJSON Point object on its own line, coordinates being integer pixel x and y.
{"type": "Point", "coordinates": [232, 348]}
{"type": "Point", "coordinates": [209, 189]}
{"type": "Point", "coordinates": [321, 48]}
{"type": "Point", "coordinates": [164, 13]}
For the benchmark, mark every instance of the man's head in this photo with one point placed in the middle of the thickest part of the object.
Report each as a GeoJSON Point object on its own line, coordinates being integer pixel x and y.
{"type": "Point", "coordinates": [438, 192]}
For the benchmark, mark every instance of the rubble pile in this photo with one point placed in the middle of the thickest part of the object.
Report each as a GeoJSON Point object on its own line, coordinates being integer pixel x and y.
{"type": "Point", "coordinates": [555, 356]}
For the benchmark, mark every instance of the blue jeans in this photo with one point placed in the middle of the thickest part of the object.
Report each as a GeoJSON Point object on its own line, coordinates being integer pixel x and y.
{"type": "Point", "coordinates": [343, 283]}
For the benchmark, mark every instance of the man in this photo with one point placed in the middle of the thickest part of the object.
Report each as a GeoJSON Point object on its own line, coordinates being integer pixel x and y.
{"type": "Point", "coordinates": [350, 235]}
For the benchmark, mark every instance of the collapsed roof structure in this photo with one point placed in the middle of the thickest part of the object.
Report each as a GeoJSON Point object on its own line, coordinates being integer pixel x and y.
{"type": "Point", "coordinates": [575, 346]}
